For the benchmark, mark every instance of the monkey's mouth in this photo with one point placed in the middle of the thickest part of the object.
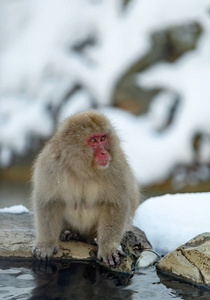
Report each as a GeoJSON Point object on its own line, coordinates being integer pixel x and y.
{"type": "Point", "coordinates": [103, 162]}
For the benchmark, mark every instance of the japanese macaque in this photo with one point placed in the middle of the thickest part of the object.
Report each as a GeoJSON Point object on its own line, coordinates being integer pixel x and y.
{"type": "Point", "coordinates": [83, 186]}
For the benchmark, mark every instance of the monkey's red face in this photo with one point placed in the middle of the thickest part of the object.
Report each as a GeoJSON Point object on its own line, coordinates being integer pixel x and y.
{"type": "Point", "coordinates": [99, 143]}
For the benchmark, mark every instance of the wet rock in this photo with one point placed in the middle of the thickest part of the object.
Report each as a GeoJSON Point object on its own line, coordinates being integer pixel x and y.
{"type": "Point", "coordinates": [147, 258]}
{"type": "Point", "coordinates": [189, 262]}
{"type": "Point", "coordinates": [17, 236]}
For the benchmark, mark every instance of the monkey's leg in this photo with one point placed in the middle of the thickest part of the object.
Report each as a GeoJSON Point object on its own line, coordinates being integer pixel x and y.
{"type": "Point", "coordinates": [110, 232]}
{"type": "Point", "coordinates": [48, 220]}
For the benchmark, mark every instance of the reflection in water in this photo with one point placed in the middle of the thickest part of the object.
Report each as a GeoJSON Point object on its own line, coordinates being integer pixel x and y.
{"type": "Point", "coordinates": [12, 285]}
{"type": "Point", "coordinates": [37, 280]}
{"type": "Point", "coordinates": [59, 281]}
{"type": "Point", "coordinates": [77, 281]}
{"type": "Point", "coordinates": [183, 289]}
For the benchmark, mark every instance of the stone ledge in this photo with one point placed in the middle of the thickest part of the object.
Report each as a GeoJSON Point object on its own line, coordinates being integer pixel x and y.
{"type": "Point", "coordinates": [17, 236]}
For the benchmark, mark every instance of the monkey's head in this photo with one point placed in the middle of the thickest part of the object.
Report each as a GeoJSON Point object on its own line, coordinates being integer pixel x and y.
{"type": "Point", "coordinates": [87, 141]}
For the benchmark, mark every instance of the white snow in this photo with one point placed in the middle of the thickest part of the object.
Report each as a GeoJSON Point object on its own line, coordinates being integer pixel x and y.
{"type": "Point", "coordinates": [151, 155]}
{"type": "Point", "coordinates": [15, 209]}
{"type": "Point", "coordinates": [78, 102]}
{"type": "Point", "coordinates": [172, 220]}
{"type": "Point", "coordinates": [39, 66]}
{"type": "Point", "coordinates": [20, 121]}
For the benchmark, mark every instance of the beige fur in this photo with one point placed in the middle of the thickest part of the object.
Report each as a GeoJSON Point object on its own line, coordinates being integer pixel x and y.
{"type": "Point", "coordinates": [72, 192]}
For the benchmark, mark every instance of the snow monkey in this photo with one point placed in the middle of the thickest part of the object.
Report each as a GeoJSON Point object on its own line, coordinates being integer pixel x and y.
{"type": "Point", "coordinates": [83, 185]}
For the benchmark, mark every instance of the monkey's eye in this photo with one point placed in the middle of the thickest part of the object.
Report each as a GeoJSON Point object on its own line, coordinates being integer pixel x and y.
{"type": "Point", "coordinates": [93, 140]}
{"type": "Point", "coordinates": [103, 138]}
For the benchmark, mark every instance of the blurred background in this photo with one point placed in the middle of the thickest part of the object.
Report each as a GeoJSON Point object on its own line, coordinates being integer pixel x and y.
{"type": "Point", "coordinates": [144, 63]}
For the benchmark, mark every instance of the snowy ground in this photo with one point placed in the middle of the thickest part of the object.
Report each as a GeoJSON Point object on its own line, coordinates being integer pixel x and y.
{"type": "Point", "coordinates": [168, 221]}
{"type": "Point", "coordinates": [16, 209]}
{"type": "Point", "coordinates": [172, 220]}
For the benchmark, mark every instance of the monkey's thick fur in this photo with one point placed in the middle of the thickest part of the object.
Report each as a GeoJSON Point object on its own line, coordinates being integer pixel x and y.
{"type": "Point", "coordinates": [72, 192]}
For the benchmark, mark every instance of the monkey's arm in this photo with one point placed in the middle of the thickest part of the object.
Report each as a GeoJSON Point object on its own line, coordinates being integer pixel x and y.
{"type": "Point", "coordinates": [111, 228]}
{"type": "Point", "coordinates": [48, 219]}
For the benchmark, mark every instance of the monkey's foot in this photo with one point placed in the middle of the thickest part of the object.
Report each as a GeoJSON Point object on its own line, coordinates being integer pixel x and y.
{"type": "Point", "coordinates": [113, 257]}
{"type": "Point", "coordinates": [68, 235]}
{"type": "Point", "coordinates": [43, 252]}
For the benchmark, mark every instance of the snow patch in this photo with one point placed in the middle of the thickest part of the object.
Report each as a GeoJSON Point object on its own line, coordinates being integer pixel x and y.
{"type": "Point", "coordinates": [171, 220]}
{"type": "Point", "coordinates": [15, 209]}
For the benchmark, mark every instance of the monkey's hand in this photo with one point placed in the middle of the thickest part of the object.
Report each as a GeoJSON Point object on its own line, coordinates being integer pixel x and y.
{"type": "Point", "coordinates": [112, 256]}
{"type": "Point", "coordinates": [43, 251]}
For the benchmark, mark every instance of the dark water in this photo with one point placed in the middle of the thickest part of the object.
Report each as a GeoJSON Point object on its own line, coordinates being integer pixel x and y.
{"type": "Point", "coordinates": [59, 281]}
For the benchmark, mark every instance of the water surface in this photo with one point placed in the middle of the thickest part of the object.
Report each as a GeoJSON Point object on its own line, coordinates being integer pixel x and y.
{"type": "Point", "coordinates": [72, 280]}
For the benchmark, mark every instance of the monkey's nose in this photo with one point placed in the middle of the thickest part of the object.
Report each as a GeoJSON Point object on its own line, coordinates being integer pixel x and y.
{"type": "Point", "coordinates": [102, 151]}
